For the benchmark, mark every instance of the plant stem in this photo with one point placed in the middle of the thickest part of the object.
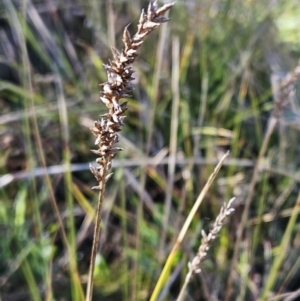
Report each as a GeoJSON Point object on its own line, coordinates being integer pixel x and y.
{"type": "Point", "coordinates": [97, 231]}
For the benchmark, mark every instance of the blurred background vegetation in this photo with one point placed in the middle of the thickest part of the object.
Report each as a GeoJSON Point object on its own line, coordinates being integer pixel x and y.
{"type": "Point", "coordinates": [205, 83]}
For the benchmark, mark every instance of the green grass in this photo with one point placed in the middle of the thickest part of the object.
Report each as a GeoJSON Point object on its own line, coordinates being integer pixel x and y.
{"type": "Point", "coordinates": [210, 95]}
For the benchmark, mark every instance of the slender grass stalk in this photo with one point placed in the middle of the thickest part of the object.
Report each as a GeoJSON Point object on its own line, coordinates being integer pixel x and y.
{"type": "Point", "coordinates": [282, 251]}
{"type": "Point", "coordinates": [162, 278]}
{"type": "Point", "coordinates": [125, 268]}
{"type": "Point", "coordinates": [118, 86]}
{"type": "Point", "coordinates": [32, 284]}
{"type": "Point", "coordinates": [186, 55]}
{"type": "Point", "coordinates": [155, 85]}
{"type": "Point", "coordinates": [136, 277]}
{"type": "Point", "coordinates": [48, 283]}
{"type": "Point", "coordinates": [76, 289]}
{"type": "Point", "coordinates": [111, 24]}
{"type": "Point", "coordinates": [173, 144]}
{"type": "Point", "coordinates": [153, 105]}
{"type": "Point", "coordinates": [19, 222]}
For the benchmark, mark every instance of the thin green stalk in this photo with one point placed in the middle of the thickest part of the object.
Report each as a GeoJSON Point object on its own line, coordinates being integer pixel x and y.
{"type": "Point", "coordinates": [76, 289]}
{"type": "Point", "coordinates": [111, 23]}
{"type": "Point", "coordinates": [28, 275]}
{"type": "Point", "coordinates": [156, 81]}
{"type": "Point", "coordinates": [163, 276]}
{"type": "Point", "coordinates": [139, 244]}
{"type": "Point", "coordinates": [281, 252]}
{"type": "Point", "coordinates": [173, 144]}
{"type": "Point", "coordinates": [259, 214]}
{"type": "Point", "coordinates": [185, 60]}
{"type": "Point", "coordinates": [270, 128]}
{"type": "Point", "coordinates": [122, 194]}
{"type": "Point", "coordinates": [48, 282]}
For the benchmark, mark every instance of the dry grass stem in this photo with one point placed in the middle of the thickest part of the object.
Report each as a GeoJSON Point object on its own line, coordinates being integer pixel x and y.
{"type": "Point", "coordinates": [118, 86]}
{"type": "Point", "coordinates": [194, 265]}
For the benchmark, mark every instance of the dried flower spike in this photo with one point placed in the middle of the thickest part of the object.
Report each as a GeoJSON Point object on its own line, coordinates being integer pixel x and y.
{"type": "Point", "coordinates": [226, 210]}
{"type": "Point", "coordinates": [118, 86]}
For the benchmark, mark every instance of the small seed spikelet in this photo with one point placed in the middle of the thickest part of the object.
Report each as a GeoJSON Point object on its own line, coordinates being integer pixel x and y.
{"type": "Point", "coordinates": [194, 265]}
{"type": "Point", "coordinates": [118, 86]}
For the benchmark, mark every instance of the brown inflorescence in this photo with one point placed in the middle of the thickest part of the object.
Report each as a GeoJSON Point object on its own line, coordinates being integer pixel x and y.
{"type": "Point", "coordinates": [118, 86]}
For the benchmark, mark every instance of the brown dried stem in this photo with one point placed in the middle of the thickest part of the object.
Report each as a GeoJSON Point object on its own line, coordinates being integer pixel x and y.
{"type": "Point", "coordinates": [118, 86]}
